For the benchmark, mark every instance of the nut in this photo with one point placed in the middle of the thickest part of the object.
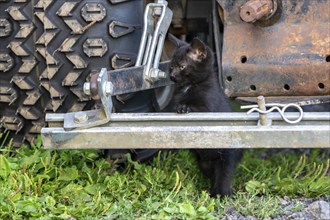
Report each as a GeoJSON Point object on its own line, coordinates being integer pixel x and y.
{"type": "Point", "coordinates": [87, 88]}
{"type": "Point", "coordinates": [80, 117]}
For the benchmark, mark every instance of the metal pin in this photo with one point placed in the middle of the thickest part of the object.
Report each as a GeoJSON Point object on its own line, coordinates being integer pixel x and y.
{"type": "Point", "coordinates": [262, 106]}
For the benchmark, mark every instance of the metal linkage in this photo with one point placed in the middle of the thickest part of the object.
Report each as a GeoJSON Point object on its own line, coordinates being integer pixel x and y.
{"type": "Point", "coordinates": [153, 39]}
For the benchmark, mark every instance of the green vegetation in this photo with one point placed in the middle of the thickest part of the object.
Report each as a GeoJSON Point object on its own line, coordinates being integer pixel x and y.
{"type": "Point", "coordinates": [42, 184]}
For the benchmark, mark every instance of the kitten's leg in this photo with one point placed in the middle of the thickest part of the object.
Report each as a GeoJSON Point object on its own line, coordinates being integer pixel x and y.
{"type": "Point", "coordinates": [207, 168]}
{"type": "Point", "coordinates": [224, 169]}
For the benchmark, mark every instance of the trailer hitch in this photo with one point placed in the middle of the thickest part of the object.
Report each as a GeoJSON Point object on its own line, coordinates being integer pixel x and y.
{"type": "Point", "coordinates": [194, 130]}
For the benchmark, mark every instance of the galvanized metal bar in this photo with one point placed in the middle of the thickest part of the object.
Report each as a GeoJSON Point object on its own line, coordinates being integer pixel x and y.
{"type": "Point", "coordinates": [146, 31]}
{"type": "Point", "coordinates": [224, 116]}
{"type": "Point", "coordinates": [213, 130]}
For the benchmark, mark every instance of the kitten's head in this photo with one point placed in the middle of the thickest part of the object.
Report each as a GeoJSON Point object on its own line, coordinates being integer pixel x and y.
{"type": "Point", "coordinates": [189, 62]}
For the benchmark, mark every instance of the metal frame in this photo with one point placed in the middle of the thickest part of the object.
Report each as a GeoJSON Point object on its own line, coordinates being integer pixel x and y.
{"type": "Point", "coordinates": [170, 130]}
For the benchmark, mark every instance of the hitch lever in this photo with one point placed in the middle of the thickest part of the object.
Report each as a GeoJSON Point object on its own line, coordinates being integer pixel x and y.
{"type": "Point", "coordinates": [157, 19]}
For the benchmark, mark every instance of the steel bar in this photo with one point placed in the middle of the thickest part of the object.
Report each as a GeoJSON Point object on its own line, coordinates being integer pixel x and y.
{"type": "Point", "coordinates": [195, 130]}
{"type": "Point", "coordinates": [235, 116]}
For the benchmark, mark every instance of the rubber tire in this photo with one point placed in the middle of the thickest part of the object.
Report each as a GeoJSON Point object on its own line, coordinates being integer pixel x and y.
{"type": "Point", "coordinates": [46, 54]}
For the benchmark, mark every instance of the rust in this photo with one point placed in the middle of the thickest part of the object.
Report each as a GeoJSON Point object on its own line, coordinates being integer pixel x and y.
{"type": "Point", "coordinates": [285, 55]}
{"type": "Point", "coordinates": [253, 10]}
{"type": "Point", "coordinates": [285, 99]}
{"type": "Point", "coordinates": [94, 89]}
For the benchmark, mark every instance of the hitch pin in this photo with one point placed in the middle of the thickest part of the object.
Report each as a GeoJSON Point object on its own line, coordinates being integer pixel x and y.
{"type": "Point", "coordinates": [281, 108]}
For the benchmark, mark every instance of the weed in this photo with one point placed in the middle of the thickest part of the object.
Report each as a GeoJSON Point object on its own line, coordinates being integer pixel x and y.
{"type": "Point", "coordinates": [38, 183]}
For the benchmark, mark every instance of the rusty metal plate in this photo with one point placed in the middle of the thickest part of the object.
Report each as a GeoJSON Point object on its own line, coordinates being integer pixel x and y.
{"type": "Point", "coordinates": [131, 79]}
{"type": "Point", "coordinates": [286, 54]}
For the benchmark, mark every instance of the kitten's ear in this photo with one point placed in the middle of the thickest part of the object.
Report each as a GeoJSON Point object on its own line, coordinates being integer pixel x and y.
{"type": "Point", "coordinates": [176, 41]}
{"type": "Point", "coordinates": [198, 50]}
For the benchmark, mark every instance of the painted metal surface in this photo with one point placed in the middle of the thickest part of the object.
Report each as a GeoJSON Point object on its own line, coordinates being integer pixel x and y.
{"type": "Point", "coordinates": [287, 54]}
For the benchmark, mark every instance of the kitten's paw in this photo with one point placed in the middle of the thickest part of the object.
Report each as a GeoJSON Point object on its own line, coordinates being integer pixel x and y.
{"type": "Point", "coordinates": [183, 109]}
{"type": "Point", "coordinates": [222, 192]}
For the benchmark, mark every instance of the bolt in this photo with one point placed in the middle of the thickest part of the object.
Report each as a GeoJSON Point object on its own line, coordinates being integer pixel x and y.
{"type": "Point", "coordinates": [162, 75]}
{"type": "Point", "coordinates": [156, 74]}
{"type": "Point", "coordinates": [87, 88]}
{"type": "Point", "coordinates": [153, 75]}
{"type": "Point", "coordinates": [80, 117]}
{"type": "Point", "coordinates": [253, 10]}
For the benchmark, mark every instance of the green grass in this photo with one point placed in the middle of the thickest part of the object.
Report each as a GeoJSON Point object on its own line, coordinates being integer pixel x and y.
{"type": "Point", "coordinates": [42, 184]}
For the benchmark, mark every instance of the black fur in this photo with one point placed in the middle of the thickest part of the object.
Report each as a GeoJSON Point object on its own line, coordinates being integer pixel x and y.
{"type": "Point", "coordinates": [197, 90]}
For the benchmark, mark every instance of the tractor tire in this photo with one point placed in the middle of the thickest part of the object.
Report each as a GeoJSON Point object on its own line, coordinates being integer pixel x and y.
{"type": "Point", "coordinates": [48, 48]}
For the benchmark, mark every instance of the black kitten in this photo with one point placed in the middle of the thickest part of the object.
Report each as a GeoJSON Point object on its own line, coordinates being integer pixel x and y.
{"type": "Point", "coordinates": [197, 90]}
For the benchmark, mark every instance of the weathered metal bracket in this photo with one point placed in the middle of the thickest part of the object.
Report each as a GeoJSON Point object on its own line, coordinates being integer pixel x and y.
{"type": "Point", "coordinates": [132, 79]}
{"type": "Point", "coordinates": [87, 119]}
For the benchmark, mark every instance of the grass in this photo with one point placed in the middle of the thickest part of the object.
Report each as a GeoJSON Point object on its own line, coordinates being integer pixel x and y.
{"type": "Point", "coordinates": [42, 184]}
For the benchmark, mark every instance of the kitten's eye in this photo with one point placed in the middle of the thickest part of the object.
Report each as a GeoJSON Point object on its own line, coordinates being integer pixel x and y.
{"type": "Point", "coordinates": [182, 67]}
